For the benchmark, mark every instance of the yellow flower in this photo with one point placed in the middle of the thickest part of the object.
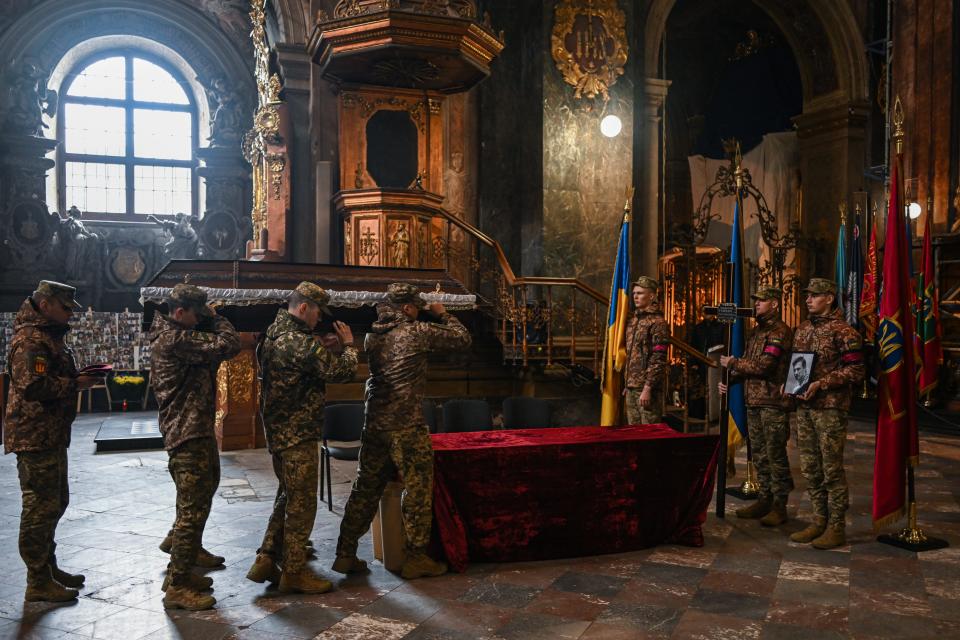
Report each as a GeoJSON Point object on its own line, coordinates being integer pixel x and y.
{"type": "Point", "coordinates": [128, 380]}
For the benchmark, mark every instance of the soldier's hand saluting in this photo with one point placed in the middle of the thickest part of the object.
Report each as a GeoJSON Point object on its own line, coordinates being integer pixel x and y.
{"type": "Point", "coordinates": [343, 333]}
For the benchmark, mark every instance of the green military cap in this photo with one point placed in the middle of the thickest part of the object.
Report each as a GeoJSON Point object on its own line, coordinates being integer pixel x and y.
{"type": "Point", "coordinates": [767, 293]}
{"type": "Point", "coordinates": [62, 292]}
{"type": "Point", "coordinates": [316, 294]}
{"type": "Point", "coordinates": [192, 297]}
{"type": "Point", "coordinates": [647, 283]}
{"type": "Point", "coordinates": [821, 285]}
{"type": "Point", "coordinates": [405, 293]}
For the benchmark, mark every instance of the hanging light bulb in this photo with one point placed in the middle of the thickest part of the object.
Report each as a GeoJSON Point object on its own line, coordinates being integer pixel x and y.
{"type": "Point", "coordinates": [914, 210]}
{"type": "Point", "coordinates": [610, 126]}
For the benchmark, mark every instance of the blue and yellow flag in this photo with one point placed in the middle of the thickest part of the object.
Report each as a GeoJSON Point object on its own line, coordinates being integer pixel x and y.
{"type": "Point", "coordinates": [615, 348]}
{"type": "Point", "coordinates": [737, 403]}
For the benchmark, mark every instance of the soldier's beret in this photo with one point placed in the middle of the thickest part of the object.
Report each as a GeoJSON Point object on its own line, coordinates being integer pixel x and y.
{"type": "Point", "coordinates": [767, 293]}
{"type": "Point", "coordinates": [647, 283]}
{"type": "Point", "coordinates": [316, 294]}
{"type": "Point", "coordinates": [821, 285]}
{"type": "Point", "coordinates": [405, 293]}
{"type": "Point", "coordinates": [62, 292]}
{"type": "Point", "coordinates": [191, 297]}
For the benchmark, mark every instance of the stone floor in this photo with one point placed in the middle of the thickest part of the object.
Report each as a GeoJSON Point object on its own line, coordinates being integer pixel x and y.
{"type": "Point", "coordinates": [747, 582]}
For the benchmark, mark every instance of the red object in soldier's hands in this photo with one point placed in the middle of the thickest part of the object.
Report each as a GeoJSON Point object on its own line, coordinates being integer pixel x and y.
{"type": "Point", "coordinates": [330, 341]}
{"type": "Point", "coordinates": [96, 370]}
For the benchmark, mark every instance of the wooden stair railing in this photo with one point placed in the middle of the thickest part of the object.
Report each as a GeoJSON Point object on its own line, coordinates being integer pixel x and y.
{"type": "Point", "coordinates": [540, 319]}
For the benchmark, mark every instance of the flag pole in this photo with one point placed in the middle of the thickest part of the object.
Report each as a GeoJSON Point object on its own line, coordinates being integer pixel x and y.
{"type": "Point", "coordinates": [749, 488]}
{"type": "Point", "coordinates": [912, 537]}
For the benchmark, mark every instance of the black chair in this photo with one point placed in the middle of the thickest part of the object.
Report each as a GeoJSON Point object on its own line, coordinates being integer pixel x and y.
{"type": "Point", "coordinates": [466, 415]}
{"type": "Point", "coordinates": [521, 412]}
{"type": "Point", "coordinates": [342, 423]}
{"type": "Point", "coordinates": [429, 408]}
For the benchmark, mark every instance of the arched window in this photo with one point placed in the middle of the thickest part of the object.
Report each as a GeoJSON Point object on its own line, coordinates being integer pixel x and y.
{"type": "Point", "coordinates": [128, 131]}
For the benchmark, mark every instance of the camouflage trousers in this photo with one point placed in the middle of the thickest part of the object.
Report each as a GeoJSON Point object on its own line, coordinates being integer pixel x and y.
{"type": "Point", "coordinates": [195, 469]}
{"type": "Point", "coordinates": [295, 506]}
{"type": "Point", "coordinates": [821, 434]}
{"type": "Point", "coordinates": [382, 454]}
{"type": "Point", "coordinates": [636, 414]}
{"type": "Point", "coordinates": [769, 430]}
{"type": "Point", "coordinates": [46, 494]}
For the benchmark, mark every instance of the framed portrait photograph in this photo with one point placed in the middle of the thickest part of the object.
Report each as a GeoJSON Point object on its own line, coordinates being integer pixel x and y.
{"type": "Point", "coordinates": [799, 370]}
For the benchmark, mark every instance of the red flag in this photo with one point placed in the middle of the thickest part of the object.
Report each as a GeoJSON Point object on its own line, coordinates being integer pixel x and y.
{"type": "Point", "coordinates": [868, 295]}
{"type": "Point", "coordinates": [897, 444]}
{"type": "Point", "coordinates": [929, 352]}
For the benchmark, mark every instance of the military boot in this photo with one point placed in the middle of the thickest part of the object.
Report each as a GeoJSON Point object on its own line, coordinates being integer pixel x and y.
{"type": "Point", "coordinates": [195, 582]}
{"type": "Point", "coordinates": [264, 568]}
{"type": "Point", "coordinates": [777, 515]}
{"type": "Point", "coordinates": [72, 580]}
{"type": "Point", "coordinates": [420, 565]}
{"type": "Point", "coordinates": [304, 581]}
{"type": "Point", "coordinates": [187, 598]}
{"type": "Point", "coordinates": [349, 564]}
{"type": "Point", "coordinates": [834, 536]}
{"type": "Point", "coordinates": [43, 588]}
{"type": "Point", "coordinates": [813, 530]}
{"type": "Point", "coordinates": [205, 559]}
{"type": "Point", "coordinates": [758, 509]}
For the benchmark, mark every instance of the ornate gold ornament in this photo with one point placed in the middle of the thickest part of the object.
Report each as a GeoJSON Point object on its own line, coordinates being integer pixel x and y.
{"type": "Point", "coordinates": [368, 107]}
{"type": "Point", "coordinates": [589, 44]}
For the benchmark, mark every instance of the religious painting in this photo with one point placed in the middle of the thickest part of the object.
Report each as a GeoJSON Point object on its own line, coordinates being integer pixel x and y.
{"type": "Point", "coordinates": [799, 372]}
{"type": "Point", "coordinates": [589, 44]}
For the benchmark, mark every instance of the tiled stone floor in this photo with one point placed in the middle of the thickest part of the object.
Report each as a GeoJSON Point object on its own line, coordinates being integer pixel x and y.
{"type": "Point", "coordinates": [747, 582]}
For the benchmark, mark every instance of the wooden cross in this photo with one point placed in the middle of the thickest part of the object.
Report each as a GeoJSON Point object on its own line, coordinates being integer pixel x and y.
{"type": "Point", "coordinates": [727, 313]}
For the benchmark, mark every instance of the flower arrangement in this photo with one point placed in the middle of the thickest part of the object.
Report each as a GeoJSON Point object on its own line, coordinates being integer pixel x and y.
{"type": "Point", "coordinates": [131, 380]}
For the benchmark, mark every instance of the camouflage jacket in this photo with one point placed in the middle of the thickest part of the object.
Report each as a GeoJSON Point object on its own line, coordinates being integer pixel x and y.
{"type": "Point", "coordinates": [397, 349]}
{"type": "Point", "coordinates": [838, 364]}
{"type": "Point", "coordinates": [183, 375]}
{"type": "Point", "coordinates": [764, 363]}
{"type": "Point", "coordinates": [647, 340]}
{"type": "Point", "coordinates": [296, 367]}
{"type": "Point", "coordinates": [43, 387]}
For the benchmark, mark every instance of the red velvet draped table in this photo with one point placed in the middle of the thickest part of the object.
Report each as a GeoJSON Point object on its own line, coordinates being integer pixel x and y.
{"type": "Point", "coordinates": [536, 494]}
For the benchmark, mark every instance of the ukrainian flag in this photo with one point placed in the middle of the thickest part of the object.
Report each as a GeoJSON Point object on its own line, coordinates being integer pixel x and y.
{"type": "Point", "coordinates": [614, 348]}
{"type": "Point", "coordinates": [737, 404]}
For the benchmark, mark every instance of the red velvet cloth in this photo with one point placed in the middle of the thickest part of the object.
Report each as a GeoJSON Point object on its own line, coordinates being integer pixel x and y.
{"type": "Point", "coordinates": [535, 494]}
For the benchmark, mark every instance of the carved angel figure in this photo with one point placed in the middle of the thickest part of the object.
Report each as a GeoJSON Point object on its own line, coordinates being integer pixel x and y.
{"type": "Point", "coordinates": [81, 247]}
{"type": "Point", "coordinates": [226, 126]}
{"type": "Point", "coordinates": [183, 240]}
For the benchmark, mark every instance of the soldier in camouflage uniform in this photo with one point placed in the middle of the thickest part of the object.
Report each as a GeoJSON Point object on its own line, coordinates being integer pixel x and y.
{"type": "Point", "coordinates": [296, 366]}
{"type": "Point", "coordinates": [647, 339]}
{"type": "Point", "coordinates": [187, 347]}
{"type": "Point", "coordinates": [42, 405]}
{"type": "Point", "coordinates": [395, 436]}
{"type": "Point", "coordinates": [764, 367]}
{"type": "Point", "coordinates": [822, 412]}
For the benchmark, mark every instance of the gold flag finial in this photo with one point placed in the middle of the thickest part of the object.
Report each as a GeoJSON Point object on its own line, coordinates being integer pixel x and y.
{"type": "Point", "coordinates": [843, 213]}
{"type": "Point", "coordinates": [628, 200]}
{"type": "Point", "coordinates": [898, 124]}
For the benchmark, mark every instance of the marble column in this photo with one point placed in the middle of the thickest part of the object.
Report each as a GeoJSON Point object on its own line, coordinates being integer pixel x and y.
{"type": "Point", "coordinates": [646, 214]}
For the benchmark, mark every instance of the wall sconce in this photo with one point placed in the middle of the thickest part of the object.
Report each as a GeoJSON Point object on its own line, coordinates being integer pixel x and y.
{"type": "Point", "coordinates": [914, 210]}
{"type": "Point", "coordinates": [611, 126]}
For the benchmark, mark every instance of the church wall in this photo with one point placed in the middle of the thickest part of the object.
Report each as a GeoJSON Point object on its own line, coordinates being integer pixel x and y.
{"type": "Point", "coordinates": [923, 77]}
{"type": "Point", "coordinates": [585, 174]}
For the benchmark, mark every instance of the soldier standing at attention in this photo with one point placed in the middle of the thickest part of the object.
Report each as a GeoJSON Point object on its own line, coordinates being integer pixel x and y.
{"type": "Point", "coordinates": [187, 347]}
{"type": "Point", "coordinates": [822, 412]}
{"type": "Point", "coordinates": [42, 406]}
{"type": "Point", "coordinates": [764, 367]}
{"type": "Point", "coordinates": [296, 366]}
{"type": "Point", "coordinates": [395, 437]}
{"type": "Point", "coordinates": [647, 338]}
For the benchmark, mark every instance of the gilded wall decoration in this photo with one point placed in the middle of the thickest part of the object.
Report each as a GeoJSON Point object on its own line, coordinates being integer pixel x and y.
{"type": "Point", "coordinates": [589, 44]}
{"type": "Point", "coordinates": [127, 264]}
